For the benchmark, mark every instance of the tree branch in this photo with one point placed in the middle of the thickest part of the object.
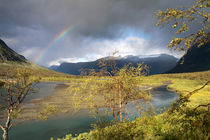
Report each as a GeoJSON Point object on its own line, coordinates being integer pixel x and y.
{"type": "Point", "coordinates": [2, 128]}
{"type": "Point", "coordinates": [199, 88]}
{"type": "Point", "coordinates": [186, 97]}
{"type": "Point", "coordinates": [207, 105]}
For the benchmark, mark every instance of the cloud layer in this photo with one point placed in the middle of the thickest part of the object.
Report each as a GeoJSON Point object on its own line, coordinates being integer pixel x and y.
{"type": "Point", "coordinates": [100, 26]}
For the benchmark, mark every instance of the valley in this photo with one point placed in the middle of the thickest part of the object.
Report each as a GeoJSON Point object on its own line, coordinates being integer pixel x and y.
{"type": "Point", "coordinates": [104, 70]}
{"type": "Point", "coordinates": [52, 104]}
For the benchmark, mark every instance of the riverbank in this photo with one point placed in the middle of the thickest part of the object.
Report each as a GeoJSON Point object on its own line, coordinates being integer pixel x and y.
{"type": "Point", "coordinates": [180, 124]}
{"type": "Point", "coordinates": [61, 102]}
{"type": "Point", "coordinates": [63, 123]}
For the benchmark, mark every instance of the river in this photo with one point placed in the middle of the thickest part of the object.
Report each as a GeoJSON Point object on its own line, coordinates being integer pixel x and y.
{"type": "Point", "coordinates": [60, 125]}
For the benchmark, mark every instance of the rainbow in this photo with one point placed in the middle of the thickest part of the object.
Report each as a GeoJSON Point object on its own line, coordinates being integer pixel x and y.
{"type": "Point", "coordinates": [57, 38]}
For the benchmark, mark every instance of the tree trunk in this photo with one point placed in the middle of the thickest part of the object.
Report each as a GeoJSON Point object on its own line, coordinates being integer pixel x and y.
{"type": "Point", "coordinates": [114, 115]}
{"type": "Point", "coordinates": [5, 134]}
{"type": "Point", "coordinates": [121, 117]}
{"type": "Point", "coordinates": [7, 125]}
{"type": "Point", "coordinates": [120, 104]}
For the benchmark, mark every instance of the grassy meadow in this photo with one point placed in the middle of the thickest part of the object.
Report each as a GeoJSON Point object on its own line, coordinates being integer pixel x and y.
{"type": "Point", "coordinates": [182, 124]}
{"type": "Point", "coordinates": [184, 83]}
{"type": "Point", "coordinates": [63, 101]}
{"type": "Point", "coordinates": [185, 123]}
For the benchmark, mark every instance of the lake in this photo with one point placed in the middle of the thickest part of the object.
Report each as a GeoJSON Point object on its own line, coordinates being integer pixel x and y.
{"type": "Point", "coordinates": [60, 125]}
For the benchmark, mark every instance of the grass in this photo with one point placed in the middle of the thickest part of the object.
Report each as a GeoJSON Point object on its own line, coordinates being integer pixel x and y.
{"type": "Point", "coordinates": [157, 127]}
{"type": "Point", "coordinates": [184, 83]}
{"type": "Point", "coordinates": [10, 68]}
{"type": "Point", "coordinates": [63, 101]}
{"type": "Point", "coordinates": [187, 124]}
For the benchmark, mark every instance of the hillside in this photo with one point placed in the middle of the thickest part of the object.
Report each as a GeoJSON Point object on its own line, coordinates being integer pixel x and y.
{"type": "Point", "coordinates": [196, 59]}
{"type": "Point", "coordinates": [10, 61]}
{"type": "Point", "coordinates": [157, 63]}
{"type": "Point", "coordinates": [7, 54]}
{"type": "Point", "coordinates": [12, 67]}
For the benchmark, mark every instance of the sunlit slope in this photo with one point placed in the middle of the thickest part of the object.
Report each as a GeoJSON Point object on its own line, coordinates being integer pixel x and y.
{"type": "Point", "coordinates": [10, 68]}
{"type": "Point", "coordinates": [10, 61]}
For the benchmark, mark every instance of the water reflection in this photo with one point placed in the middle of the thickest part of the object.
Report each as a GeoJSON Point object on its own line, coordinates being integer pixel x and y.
{"type": "Point", "coordinates": [61, 125]}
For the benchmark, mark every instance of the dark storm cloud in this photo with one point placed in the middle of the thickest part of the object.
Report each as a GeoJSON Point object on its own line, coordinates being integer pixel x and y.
{"type": "Point", "coordinates": [33, 23]}
{"type": "Point", "coordinates": [95, 17]}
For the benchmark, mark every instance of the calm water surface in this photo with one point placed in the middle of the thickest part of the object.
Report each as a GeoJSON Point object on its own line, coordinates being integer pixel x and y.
{"type": "Point", "coordinates": [60, 125]}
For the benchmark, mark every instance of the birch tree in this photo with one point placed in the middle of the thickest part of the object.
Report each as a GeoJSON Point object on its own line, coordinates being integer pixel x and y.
{"type": "Point", "coordinates": [12, 95]}
{"type": "Point", "coordinates": [111, 88]}
{"type": "Point", "coordinates": [182, 19]}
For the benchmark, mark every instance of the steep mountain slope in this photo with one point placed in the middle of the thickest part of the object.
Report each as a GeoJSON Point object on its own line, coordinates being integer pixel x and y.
{"type": "Point", "coordinates": [7, 54]}
{"type": "Point", "coordinates": [10, 61]}
{"type": "Point", "coordinates": [196, 59]}
{"type": "Point", "coordinates": [158, 64]}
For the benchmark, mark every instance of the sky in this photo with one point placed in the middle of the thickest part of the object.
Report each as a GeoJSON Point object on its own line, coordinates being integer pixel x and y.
{"type": "Point", "coordinates": [97, 28]}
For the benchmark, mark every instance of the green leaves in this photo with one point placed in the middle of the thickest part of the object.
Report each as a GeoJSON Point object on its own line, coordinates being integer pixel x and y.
{"type": "Point", "coordinates": [164, 126]}
{"type": "Point", "coordinates": [182, 20]}
{"type": "Point", "coordinates": [15, 90]}
{"type": "Point", "coordinates": [45, 113]}
{"type": "Point", "coordinates": [113, 88]}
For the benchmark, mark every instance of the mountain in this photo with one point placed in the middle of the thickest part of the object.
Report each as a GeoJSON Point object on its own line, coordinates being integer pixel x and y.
{"type": "Point", "coordinates": [196, 59]}
{"type": "Point", "coordinates": [157, 63]}
{"type": "Point", "coordinates": [10, 61]}
{"type": "Point", "coordinates": [7, 54]}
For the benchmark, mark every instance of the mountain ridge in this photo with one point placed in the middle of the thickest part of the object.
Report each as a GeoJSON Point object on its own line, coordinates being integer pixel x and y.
{"type": "Point", "coordinates": [166, 62]}
{"type": "Point", "coordinates": [7, 54]}
{"type": "Point", "coordinates": [195, 59]}
{"type": "Point", "coordinates": [10, 61]}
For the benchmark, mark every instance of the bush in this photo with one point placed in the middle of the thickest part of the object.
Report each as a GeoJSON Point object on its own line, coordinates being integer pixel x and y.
{"type": "Point", "coordinates": [189, 125]}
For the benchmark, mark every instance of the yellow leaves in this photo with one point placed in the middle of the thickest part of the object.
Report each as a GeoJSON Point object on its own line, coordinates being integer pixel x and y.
{"type": "Point", "coordinates": [186, 16]}
{"type": "Point", "coordinates": [175, 25]}
{"type": "Point", "coordinates": [183, 28]}
{"type": "Point", "coordinates": [45, 113]}
{"type": "Point", "coordinates": [16, 113]}
{"type": "Point", "coordinates": [201, 32]}
{"type": "Point", "coordinates": [175, 42]}
{"type": "Point", "coordinates": [111, 91]}
{"type": "Point", "coordinates": [174, 12]}
{"type": "Point", "coordinates": [188, 41]}
{"type": "Point", "coordinates": [159, 13]}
